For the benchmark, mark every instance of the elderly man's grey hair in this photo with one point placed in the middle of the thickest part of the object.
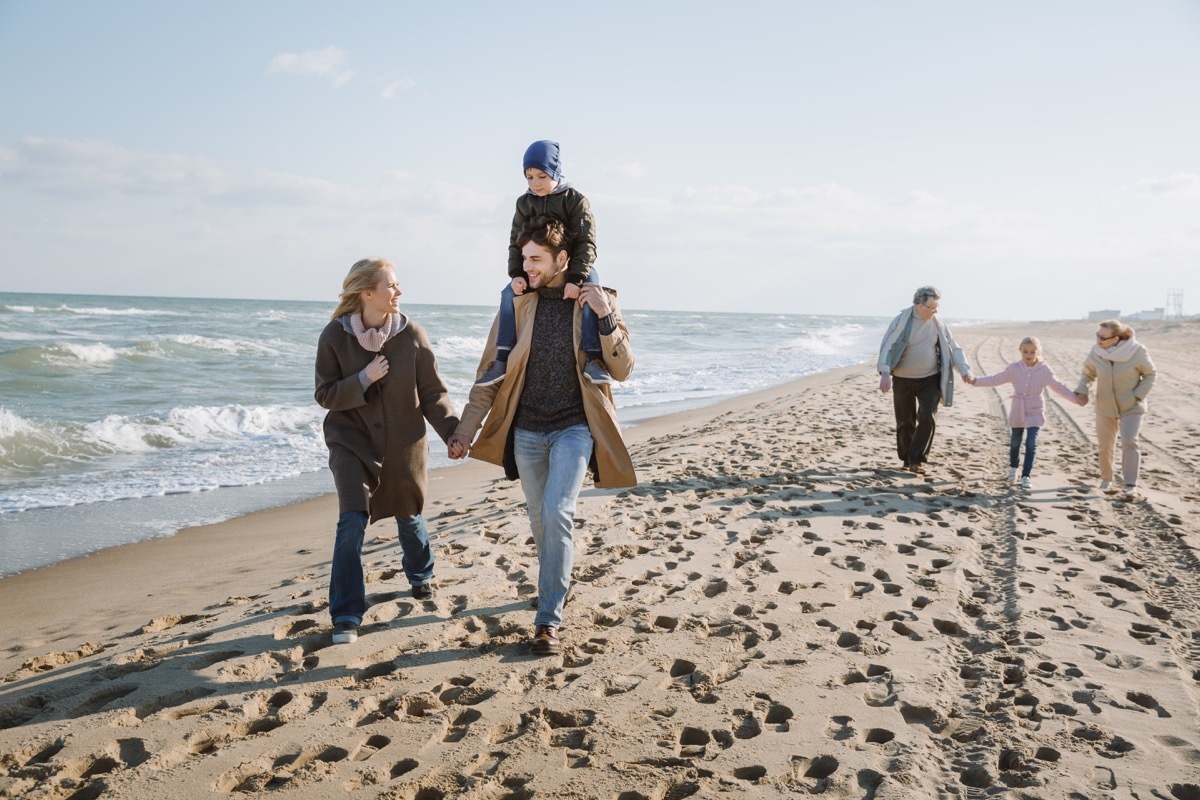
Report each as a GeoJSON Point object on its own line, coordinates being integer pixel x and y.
{"type": "Point", "coordinates": [925, 294]}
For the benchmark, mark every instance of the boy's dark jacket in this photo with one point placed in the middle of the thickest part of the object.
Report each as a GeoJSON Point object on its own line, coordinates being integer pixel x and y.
{"type": "Point", "coordinates": [572, 209]}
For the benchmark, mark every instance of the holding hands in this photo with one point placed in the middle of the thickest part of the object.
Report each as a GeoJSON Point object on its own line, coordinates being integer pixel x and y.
{"type": "Point", "coordinates": [969, 378]}
{"type": "Point", "coordinates": [457, 446]}
{"type": "Point", "coordinates": [1081, 398]}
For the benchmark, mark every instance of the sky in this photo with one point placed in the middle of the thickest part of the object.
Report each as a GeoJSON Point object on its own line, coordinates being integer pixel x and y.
{"type": "Point", "coordinates": [1033, 160]}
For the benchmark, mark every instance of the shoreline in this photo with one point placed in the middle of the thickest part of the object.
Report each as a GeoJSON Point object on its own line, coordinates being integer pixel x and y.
{"type": "Point", "coordinates": [775, 608]}
{"type": "Point", "coordinates": [227, 503]}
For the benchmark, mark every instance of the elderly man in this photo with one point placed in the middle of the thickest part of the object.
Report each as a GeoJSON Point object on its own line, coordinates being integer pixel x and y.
{"type": "Point", "coordinates": [546, 424]}
{"type": "Point", "coordinates": [915, 360]}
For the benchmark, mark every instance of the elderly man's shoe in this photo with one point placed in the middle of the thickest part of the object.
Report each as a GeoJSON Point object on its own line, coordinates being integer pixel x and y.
{"type": "Point", "coordinates": [545, 641]}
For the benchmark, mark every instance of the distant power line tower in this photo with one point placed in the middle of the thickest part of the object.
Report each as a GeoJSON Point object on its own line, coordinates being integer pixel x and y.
{"type": "Point", "coordinates": [1174, 304]}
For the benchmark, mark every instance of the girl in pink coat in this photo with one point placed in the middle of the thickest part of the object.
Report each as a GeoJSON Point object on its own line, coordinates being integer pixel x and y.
{"type": "Point", "coordinates": [1029, 377]}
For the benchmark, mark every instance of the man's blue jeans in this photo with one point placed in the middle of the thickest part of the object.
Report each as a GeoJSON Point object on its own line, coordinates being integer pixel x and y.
{"type": "Point", "coordinates": [1014, 449]}
{"type": "Point", "coordinates": [506, 331]}
{"type": "Point", "coordinates": [347, 590]}
{"type": "Point", "coordinates": [552, 466]}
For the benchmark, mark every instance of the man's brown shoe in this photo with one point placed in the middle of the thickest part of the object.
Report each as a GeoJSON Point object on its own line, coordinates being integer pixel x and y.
{"type": "Point", "coordinates": [545, 641]}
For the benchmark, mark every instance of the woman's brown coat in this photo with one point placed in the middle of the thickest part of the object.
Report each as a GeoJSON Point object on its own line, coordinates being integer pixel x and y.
{"type": "Point", "coordinates": [377, 448]}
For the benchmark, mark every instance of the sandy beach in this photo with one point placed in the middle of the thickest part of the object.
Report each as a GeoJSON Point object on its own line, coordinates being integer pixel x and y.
{"type": "Point", "coordinates": [775, 609]}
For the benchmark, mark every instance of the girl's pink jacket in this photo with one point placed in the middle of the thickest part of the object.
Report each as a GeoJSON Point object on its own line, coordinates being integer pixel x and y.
{"type": "Point", "coordinates": [1026, 409]}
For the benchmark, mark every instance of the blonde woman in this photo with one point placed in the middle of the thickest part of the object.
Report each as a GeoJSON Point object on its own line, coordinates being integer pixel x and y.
{"type": "Point", "coordinates": [378, 378]}
{"type": "Point", "coordinates": [1123, 374]}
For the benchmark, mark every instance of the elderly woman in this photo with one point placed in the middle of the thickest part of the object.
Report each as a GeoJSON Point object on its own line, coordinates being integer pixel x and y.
{"type": "Point", "coordinates": [1124, 374]}
{"type": "Point", "coordinates": [378, 378]}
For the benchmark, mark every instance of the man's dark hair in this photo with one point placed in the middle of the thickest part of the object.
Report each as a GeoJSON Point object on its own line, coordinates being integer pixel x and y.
{"type": "Point", "coordinates": [545, 231]}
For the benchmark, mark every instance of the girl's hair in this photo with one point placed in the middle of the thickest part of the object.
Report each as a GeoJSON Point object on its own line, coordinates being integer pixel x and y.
{"type": "Point", "coordinates": [1033, 340]}
{"type": "Point", "coordinates": [1120, 329]}
{"type": "Point", "coordinates": [363, 275]}
{"type": "Point", "coordinates": [545, 231]}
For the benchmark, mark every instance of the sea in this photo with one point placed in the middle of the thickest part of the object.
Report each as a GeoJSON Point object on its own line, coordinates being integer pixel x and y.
{"type": "Point", "coordinates": [129, 418]}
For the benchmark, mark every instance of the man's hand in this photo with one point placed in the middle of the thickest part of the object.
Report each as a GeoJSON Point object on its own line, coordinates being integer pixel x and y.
{"type": "Point", "coordinates": [376, 369]}
{"type": "Point", "coordinates": [570, 291]}
{"type": "Point", "coordinates": [458, 446]}
{"type": "Point", "coordinates": [595, 297]}
{"type": "Point", "coordinates": [519, 285]}
{"type": "Point", "coordinates": [969, 378]}
{"type": "Point", "coordinates": [885, 382]}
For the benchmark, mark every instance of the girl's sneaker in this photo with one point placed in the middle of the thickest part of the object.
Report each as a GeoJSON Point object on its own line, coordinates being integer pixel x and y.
{"type": "Point", "coordinates": [1026, 483]}
{"type": "Point", "coordinates": [1107, 487]}
{"type": "Point", "coordinates": [1012, 475]}
{"type": "Point", "coordinates": [345, 633]}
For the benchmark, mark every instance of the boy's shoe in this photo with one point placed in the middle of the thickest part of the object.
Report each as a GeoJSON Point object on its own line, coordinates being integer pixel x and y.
{"type": "Point", "coordinates": [345, 633]}
{"type": "Point", "coordinates": [1026, 483]}
{"type": "Point", "coordinates": [423, 592]}
{"type": "Point", "coordinates": [545, 641]}
{"type": "Point", "coordinates": [1107, 487]}
{"type": "Point", "coordinates": [1012, 475]}
{"type": "Point", "coordinates": [597, 373]}
{"type": "Point", "coordinates": [1132, 495]}
{"type": "Point", "coordinates": [495, 373]}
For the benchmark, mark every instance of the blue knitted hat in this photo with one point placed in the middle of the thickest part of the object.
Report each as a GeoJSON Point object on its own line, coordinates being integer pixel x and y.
{"type": "Point", "coordinates": [543, 155]}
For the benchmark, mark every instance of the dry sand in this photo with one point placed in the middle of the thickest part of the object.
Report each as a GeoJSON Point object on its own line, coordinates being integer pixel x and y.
{"type": "Point", "coordinates": [775, 610]}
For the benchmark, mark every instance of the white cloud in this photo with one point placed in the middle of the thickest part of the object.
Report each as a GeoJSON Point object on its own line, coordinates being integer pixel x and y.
{"type": "Point", "coordinates": [635, 169]}
{"type": "Point", "coordinates": [1185, 184]}
{"type": "Point", "coordinates": [397, 86]}
{"type": "Point", "coordinates": [328, 62]}
{"type": "Point", "coordinates": [826, 248]}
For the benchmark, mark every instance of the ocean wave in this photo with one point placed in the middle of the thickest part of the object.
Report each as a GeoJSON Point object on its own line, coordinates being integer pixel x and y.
{"type": "Point", "coordinates": [239, 347]}
{"type": "Point", "coordinates": [451, 347]}
{"type": "Point", "coordinates": [62, 354]}
{"type": "Point", "coordinates": [87, 312]}
{"type": "Point", "coordinates": [27, 446]}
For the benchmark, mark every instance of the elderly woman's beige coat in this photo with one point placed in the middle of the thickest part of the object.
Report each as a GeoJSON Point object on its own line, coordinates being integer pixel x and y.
{"type": "Point", "coordinates": [378, 451]}
{"type": "Point", "coordinates": [611, 465]}
{"type": "Point", "coordinates": [1121, 386]}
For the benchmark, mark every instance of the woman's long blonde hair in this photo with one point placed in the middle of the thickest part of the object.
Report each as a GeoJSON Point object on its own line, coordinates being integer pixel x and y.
{"type": "Point", "coordinates": [363, 275]}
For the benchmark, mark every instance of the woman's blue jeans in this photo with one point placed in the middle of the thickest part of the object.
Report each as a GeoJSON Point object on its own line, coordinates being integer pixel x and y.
{"type": "Point", "coordinates": [347, 589]}
{"type": "Point", "coordinates": [552, 467]}
{"type": "Point", "coordinates": [506, 331]}
{"type": "Point", "coordinates": [1014, 449]}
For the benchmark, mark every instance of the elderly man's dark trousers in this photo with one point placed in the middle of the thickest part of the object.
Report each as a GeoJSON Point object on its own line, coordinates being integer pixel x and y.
{"type": "Point", "coordinates": [916, 401]}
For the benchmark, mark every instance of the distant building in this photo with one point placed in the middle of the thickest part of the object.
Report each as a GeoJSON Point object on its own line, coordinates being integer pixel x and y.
{"type": "Point", "coordinates": [1152, 314]}
{"type": "Point", "coordinates": [1097, 316]}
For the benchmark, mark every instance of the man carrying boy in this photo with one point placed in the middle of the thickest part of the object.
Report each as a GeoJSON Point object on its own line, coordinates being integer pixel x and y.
{"type": "Point", "coordinates": [546, 424]}
{"type": "Point", "coordinates": [551, 196]}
